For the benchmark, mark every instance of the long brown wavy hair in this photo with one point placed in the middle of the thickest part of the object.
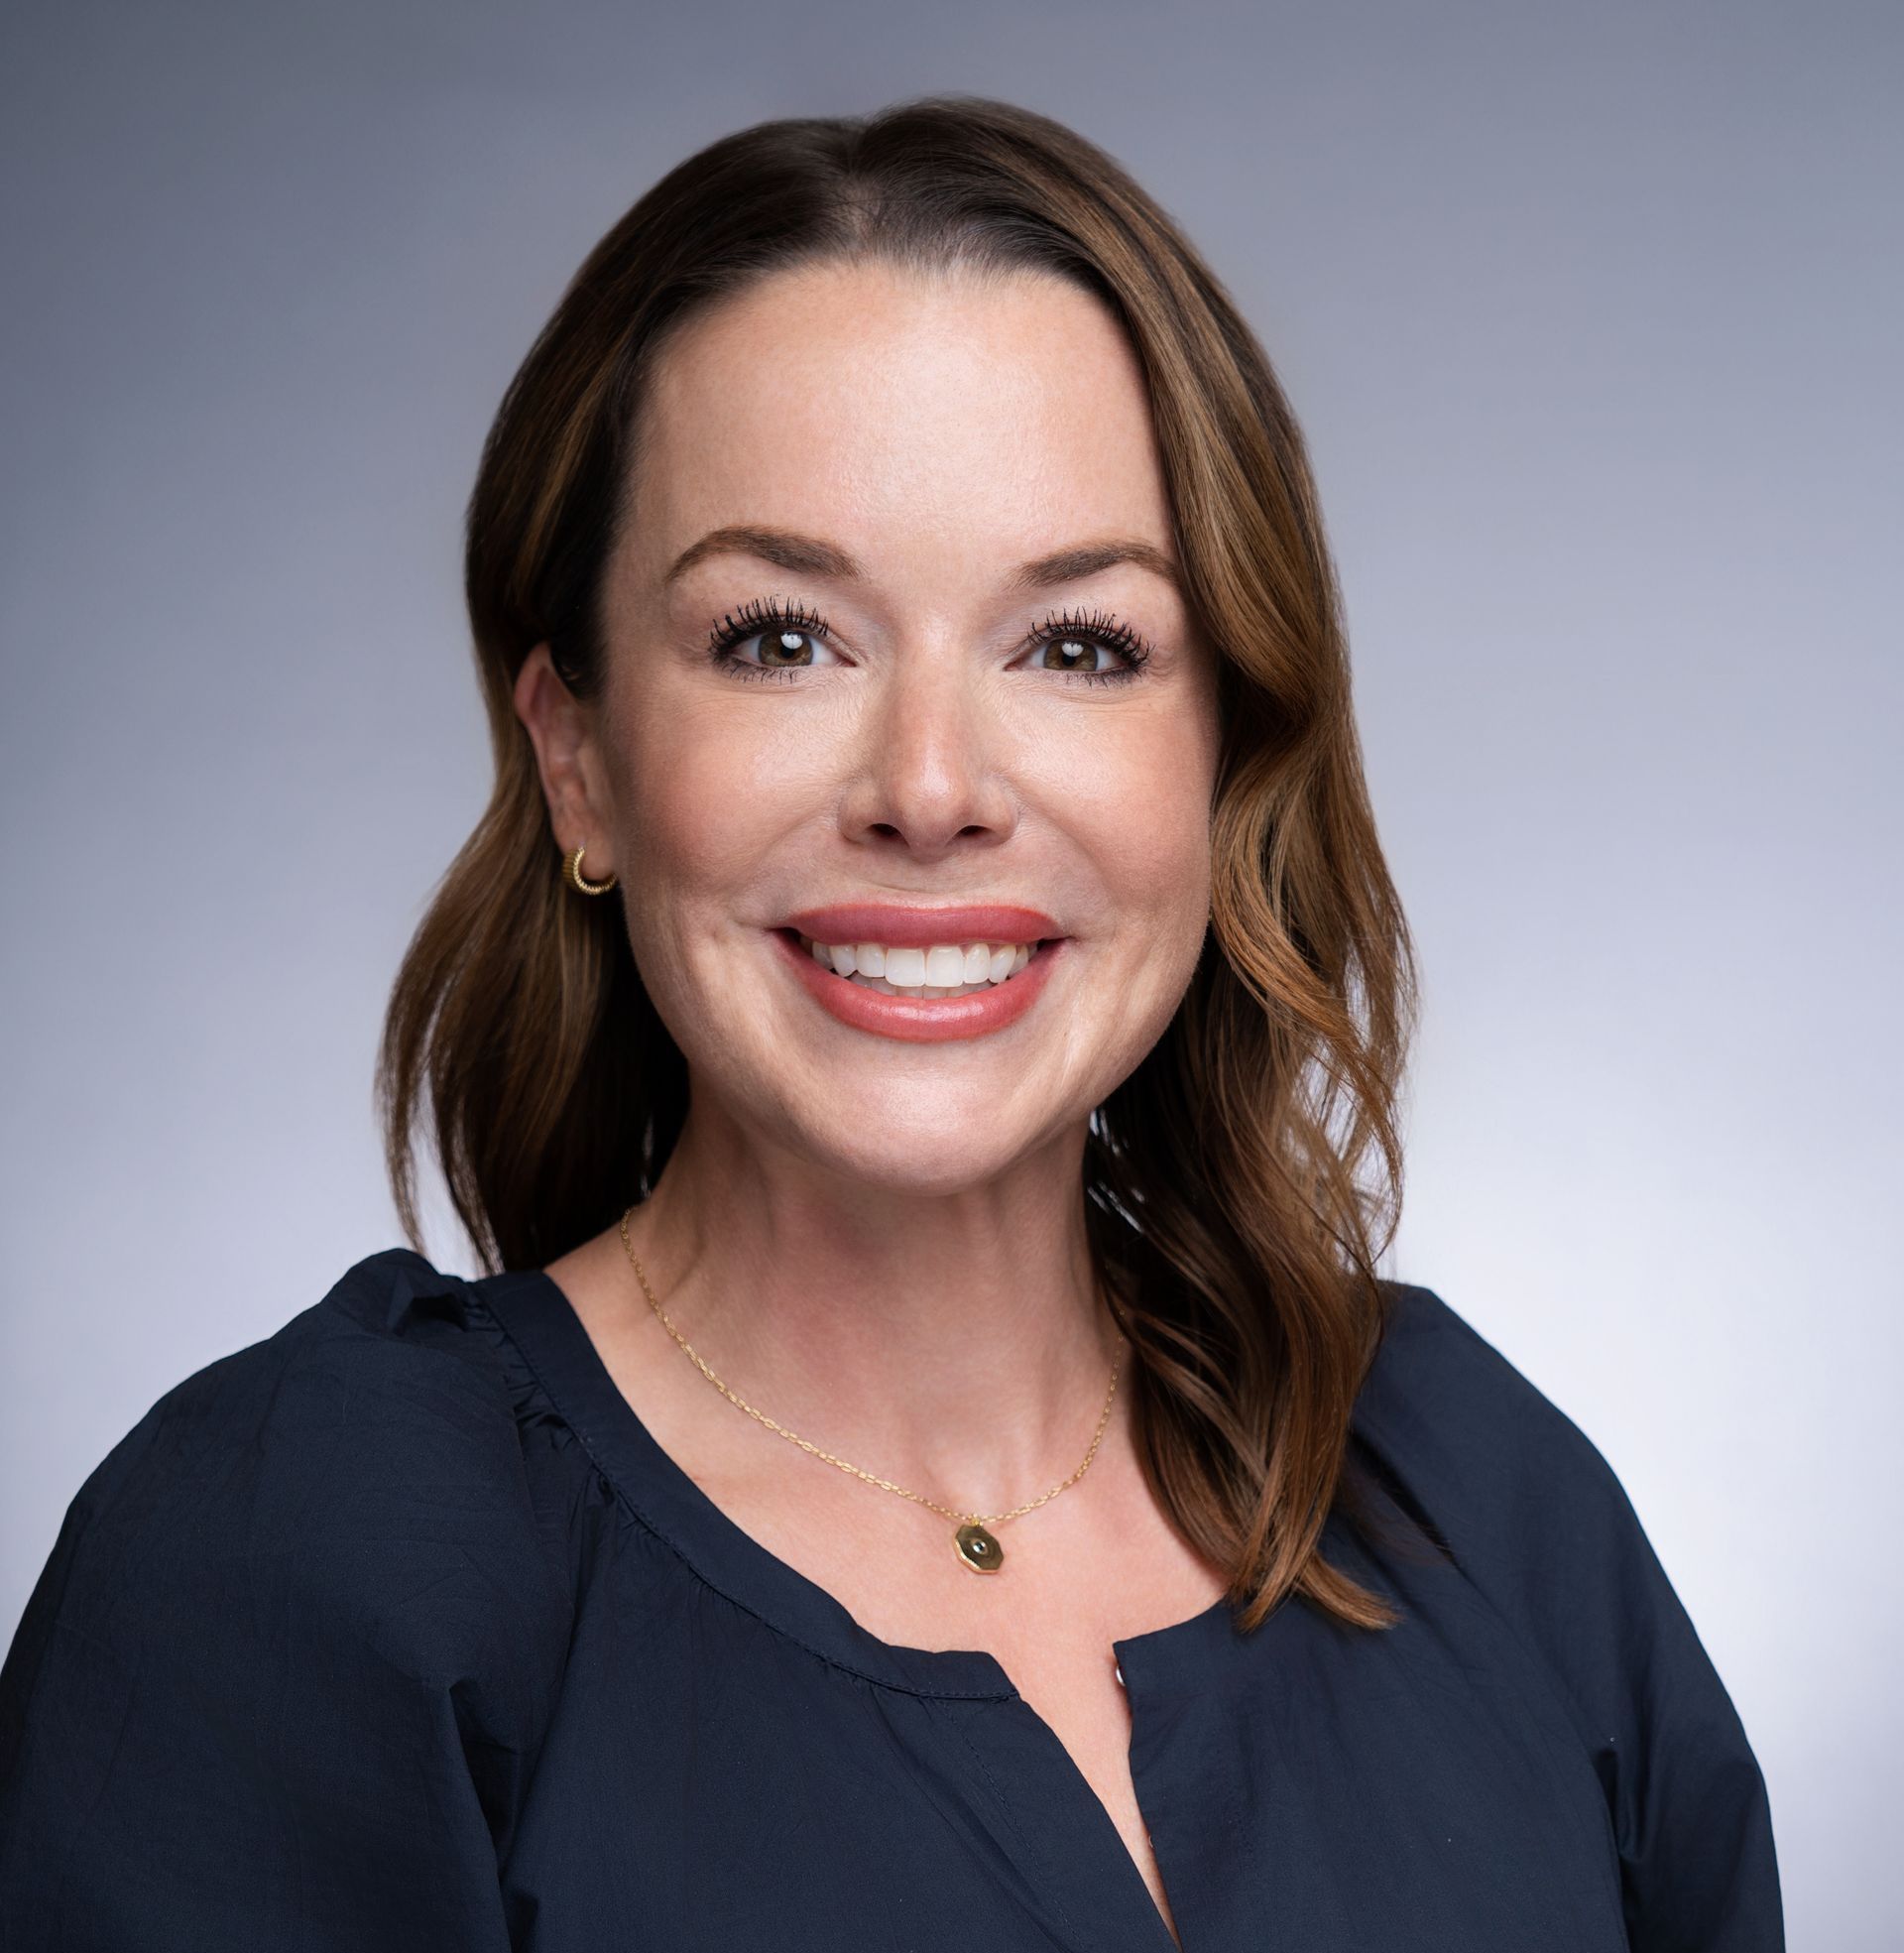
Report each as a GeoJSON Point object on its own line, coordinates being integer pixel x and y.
{"type": "Point", "coordinates": [1224, 1184]}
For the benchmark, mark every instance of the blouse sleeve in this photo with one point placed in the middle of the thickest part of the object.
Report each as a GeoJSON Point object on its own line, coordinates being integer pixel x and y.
{"type": "Point", "coordinates": [282, 1674]}
{"type": "Point", "coordinates": [1537, 1521]}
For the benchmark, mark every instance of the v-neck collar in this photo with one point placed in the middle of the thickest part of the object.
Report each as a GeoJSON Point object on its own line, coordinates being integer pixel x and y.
{"type": "Point", "coordinates": [542, 1322]}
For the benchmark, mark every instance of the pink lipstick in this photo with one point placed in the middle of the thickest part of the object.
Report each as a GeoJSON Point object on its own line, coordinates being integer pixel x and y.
{"type": "Point", "coordinates": [922, 1020]}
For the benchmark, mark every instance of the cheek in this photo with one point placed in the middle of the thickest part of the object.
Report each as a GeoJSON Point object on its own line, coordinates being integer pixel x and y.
{"type": "Point", "coordinates": [698, 793]}
{"type": "Point", "coordinates": [1137, 797]}
{"type": "Point", "coordinates": [1162, 900]}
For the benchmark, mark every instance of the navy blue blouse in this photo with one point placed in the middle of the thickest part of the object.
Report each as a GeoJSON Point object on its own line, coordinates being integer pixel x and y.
{"type": "Point", "coordinates": [399, 1630]}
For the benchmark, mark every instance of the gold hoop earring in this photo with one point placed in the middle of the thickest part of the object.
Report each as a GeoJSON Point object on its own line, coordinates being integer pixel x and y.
{"type": "Point", "coordinates": [572, 874]}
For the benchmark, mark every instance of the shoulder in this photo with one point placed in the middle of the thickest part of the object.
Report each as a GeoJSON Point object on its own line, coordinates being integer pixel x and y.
{"type": "Point", "coordinates": [392, 1316]}
{"type": "Point", "coordinates": [361, 1468]}
{"type": "Point", "coordinates": [393, 1384]}
{"type": "Point", "coordinates": [1534, 1519]}
{"type": "Point", "coordinates": [1541, 1531]}
{"type": "Point", "coordinates": [1469, 1430]}
{"type": "Point", "coordinates": [308, 1590]}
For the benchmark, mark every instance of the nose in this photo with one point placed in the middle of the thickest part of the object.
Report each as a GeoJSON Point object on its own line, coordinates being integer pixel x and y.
{"type": "Point", "coordinates": [933, 767]}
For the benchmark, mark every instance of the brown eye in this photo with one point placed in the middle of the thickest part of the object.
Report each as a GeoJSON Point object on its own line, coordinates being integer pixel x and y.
{"type": "Point", "coordinates": [1070, 645]}
{"type": "Point", "coordinates": [791, 640]}
{"type": "Point", "coordinates": [786, 647]}
{"type": "Point", "coordinates": [1072, 651]}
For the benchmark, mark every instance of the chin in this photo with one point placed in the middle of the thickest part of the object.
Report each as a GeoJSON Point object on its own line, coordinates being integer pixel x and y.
{"type": "Point", "coordinates": [939, 1151]}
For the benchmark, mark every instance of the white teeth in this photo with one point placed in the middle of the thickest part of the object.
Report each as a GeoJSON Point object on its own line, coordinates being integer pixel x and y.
{"type": "Point", "coordinates": [942, 970]}
{"type": "Point", "coordinates": [943, 967]}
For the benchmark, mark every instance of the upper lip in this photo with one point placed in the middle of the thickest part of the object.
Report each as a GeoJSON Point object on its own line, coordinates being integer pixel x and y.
{"type": "Point", "coordinates": [904, 927]}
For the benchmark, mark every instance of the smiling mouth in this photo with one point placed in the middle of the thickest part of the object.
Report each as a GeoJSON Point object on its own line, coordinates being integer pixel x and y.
{"type": "Point", "coordinates": [953, 969]}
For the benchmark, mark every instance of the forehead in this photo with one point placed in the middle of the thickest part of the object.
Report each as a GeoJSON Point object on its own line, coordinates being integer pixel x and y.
{"type": "Point", "coordinates": [885, 407]}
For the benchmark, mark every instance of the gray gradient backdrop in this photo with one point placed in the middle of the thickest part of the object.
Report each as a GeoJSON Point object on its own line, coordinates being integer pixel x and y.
{"type": "Point", "coordinates": [1593, 320]}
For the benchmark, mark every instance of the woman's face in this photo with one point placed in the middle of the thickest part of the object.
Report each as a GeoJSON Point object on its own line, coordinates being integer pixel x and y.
{"type": "Point", "coordinates": [873, 474]}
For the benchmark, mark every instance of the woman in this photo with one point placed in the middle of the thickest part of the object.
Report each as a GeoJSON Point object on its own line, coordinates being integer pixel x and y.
{"type": "Point", "coordinates": [928, 972]}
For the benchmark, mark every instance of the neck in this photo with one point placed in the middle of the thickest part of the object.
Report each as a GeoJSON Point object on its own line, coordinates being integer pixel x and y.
{"type": "Point", "coordinates": [954, 1343]}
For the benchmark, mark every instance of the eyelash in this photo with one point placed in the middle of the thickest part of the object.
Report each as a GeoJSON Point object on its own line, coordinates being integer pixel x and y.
{"type": "Point", "coordinates": [753, 619]}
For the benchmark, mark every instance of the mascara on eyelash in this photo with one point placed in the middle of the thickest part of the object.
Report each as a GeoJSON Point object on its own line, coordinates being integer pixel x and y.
{"type": "Point", "coordinates": [760, 615]}
{"type": "Point", "coordinates": [1104, 629]}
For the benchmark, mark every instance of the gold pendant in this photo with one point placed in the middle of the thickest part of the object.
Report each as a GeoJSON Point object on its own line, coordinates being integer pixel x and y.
{"type": "Point", "coordinates": [978, 1549]}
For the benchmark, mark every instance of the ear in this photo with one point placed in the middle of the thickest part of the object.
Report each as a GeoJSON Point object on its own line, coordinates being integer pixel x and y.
{"type": "Point", "coordinates": [562, 731]}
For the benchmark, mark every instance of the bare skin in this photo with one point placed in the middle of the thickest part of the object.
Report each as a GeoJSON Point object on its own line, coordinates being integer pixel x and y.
{"type": "Point", "coordinates": [882, 1242]}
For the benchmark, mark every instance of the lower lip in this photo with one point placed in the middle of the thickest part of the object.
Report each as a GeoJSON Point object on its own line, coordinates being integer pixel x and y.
{"type": "Point", "coordinates": [921, 1019]}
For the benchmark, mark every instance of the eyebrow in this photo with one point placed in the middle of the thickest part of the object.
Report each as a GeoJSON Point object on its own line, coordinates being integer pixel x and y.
{"type": "Point", "coordinates": [806, 556]}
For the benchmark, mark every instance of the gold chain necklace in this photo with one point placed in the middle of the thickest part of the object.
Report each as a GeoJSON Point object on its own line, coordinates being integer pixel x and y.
{"type": "Point", "coordinates": [974, 1546]}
